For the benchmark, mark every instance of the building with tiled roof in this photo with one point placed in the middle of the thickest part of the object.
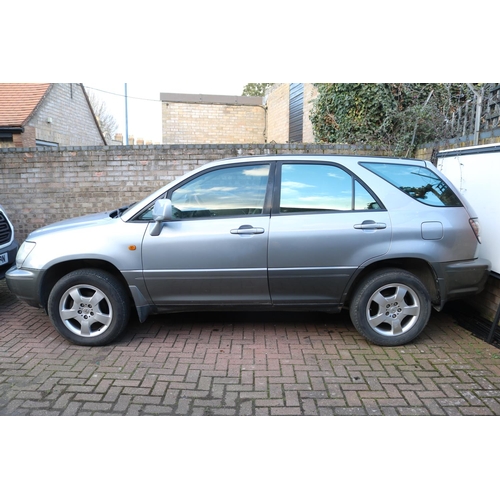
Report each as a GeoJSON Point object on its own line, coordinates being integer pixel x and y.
{"type": "Point", "coordinates": [47, 114]}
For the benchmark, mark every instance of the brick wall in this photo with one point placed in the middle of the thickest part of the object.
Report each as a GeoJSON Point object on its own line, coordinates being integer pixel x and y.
{"type": "Point", "coordinates": [190, 119]}
{"type": "Point", "coordinates": [424, 152]}
{"type": "Point", "coordinates": [488, 301]}
{"type": "Point", "coordinates": [278, 113]}
{"type": "Point", "coordinates": [200, 119]}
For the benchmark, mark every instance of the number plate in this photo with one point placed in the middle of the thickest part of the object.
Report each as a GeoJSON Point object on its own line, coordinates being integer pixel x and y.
{"type": "Point", "coordinates": [4, 258]}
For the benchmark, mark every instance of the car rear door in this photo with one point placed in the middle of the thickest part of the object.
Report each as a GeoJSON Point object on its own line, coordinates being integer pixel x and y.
{"type": "Point", "coordinates": [324, 225]}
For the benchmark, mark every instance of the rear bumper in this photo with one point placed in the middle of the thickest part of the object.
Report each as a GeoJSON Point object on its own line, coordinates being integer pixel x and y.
{"type": "Point", "coordinates": [461, 279]}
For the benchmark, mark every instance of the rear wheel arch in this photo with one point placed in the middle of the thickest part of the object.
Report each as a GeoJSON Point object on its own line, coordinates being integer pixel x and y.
{"type": "Point", "coordinates": [418, 267]}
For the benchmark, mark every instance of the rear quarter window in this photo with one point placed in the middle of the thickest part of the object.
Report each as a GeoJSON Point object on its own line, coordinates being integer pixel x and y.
{"type": "Point", "coordinates": [418, 182]}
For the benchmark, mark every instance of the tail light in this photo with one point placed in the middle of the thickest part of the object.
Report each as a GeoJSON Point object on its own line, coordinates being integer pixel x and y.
{"type": "Point", "coordinates": [474, 224]}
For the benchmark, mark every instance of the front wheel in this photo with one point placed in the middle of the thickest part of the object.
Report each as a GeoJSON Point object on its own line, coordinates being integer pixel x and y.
{"type": "Point", "coordinates": [89, 307]}
{"type": "Point", "coordinates": [390, 307]}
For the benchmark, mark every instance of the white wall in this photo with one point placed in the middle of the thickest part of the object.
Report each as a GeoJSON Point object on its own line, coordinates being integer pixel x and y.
{"type": "Point", "coordinates": [475, 171]}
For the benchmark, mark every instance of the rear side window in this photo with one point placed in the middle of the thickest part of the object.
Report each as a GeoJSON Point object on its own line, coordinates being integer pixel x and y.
{"type": "Point", "coordinates": [416, 181]}
{"type": "Point", "coordinates": [321, 188]}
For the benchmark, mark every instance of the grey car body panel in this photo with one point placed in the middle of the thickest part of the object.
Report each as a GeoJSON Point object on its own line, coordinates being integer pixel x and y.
{"type": "Point", "coordinates": [316, 266]}
{"type": "Point", "coordinates": [202, 262]}
{"type": "Point", "coordinates": [269, 260]}
{"type": "Point", "coordinates": [89, 237]}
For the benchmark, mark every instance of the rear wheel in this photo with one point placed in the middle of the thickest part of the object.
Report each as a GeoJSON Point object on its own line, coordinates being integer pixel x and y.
{"type": "Point", "coordinates": [89, 307]}
{"type": "Point", "coordinates": [390, 307]}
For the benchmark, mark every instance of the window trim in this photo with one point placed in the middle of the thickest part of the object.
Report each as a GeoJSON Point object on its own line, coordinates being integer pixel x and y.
{"type": "Point", "coordinates": [277, 190]}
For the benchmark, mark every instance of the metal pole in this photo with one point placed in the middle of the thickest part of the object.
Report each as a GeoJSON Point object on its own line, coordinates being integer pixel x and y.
{"type": "Point", "coordinates": [491, 334]}
{"type": "Point", "coordinates": [479, 110]}
{"type": "Point", "coordinates": [126, 117]}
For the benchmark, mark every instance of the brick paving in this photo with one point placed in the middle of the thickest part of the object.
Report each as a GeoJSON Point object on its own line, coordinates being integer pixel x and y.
{"type": "Point", "coordinates": [242, 364]}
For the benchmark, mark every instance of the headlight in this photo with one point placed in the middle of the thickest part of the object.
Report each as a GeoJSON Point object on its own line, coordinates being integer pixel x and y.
{"type": "Point", "coordinates": [23, 252]}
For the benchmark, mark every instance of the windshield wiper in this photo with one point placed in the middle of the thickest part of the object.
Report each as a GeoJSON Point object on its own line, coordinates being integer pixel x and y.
{"type": "Point", "coordinates": [116, 213]}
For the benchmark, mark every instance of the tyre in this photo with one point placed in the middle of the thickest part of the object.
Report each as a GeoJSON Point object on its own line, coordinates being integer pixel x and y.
{"type": "Point", "coordinates": [390, 307]}
{"type": "Point", "coordinates": [89, 307]}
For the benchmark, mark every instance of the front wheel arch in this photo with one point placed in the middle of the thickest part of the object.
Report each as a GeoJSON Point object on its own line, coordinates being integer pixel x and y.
{"type": "Point", "coordinates": [57, 271]}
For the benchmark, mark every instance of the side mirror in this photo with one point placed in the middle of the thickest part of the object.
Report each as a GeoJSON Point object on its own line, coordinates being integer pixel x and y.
{"type": "Point", "coordinates": [162, 212]}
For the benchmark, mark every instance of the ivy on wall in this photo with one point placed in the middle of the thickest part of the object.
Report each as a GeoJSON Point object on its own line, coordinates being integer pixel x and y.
{"type": "Point", "coordinates": [393, 117]}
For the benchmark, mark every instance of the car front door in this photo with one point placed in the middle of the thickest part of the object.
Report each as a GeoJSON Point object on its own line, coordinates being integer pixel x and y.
{"type": "Point", "coordinates": [214, 252]}
{"type": "Point", "coordinates": [324, 225]}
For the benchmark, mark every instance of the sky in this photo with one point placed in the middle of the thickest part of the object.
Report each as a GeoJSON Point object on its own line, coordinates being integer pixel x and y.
{"type": "Point", "coordinates": [217, 48]}
{"type": "Point", "coordinates": [141, 109]}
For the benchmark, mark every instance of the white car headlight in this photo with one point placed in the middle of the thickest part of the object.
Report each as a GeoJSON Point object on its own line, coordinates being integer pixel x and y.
{"type": "Point", "coordinates": [23, 252]}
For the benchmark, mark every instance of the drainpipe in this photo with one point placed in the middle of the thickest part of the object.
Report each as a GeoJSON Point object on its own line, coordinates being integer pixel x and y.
{"type": "Point", "coordinates": [126, 117]}
{"type": "Point", "coordinates": [479, 110]}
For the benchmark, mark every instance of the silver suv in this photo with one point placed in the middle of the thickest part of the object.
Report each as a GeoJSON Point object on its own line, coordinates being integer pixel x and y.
{"type": "Point", "coordinates": [8, 243]}
{"type": "Point", "coordinates": [387, 238]}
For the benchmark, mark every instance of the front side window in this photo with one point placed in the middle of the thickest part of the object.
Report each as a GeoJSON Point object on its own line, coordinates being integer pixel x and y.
{"type": "Point", "coordinates": [317, 187]}
{"type": "Point", "coordinates": [416, 181]}
{"type": "Point", "coordinates": [230, 191]}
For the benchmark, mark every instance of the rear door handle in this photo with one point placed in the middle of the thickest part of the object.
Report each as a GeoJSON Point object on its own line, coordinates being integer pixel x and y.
{"type": "Point", "coordinates": [370, 224]}
{"type": "Point", "coordinates": [245, 229]}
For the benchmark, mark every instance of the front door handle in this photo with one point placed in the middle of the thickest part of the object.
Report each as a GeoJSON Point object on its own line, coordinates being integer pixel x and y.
{"type": "Point", "coordinates": [370, 224]}
{"type": "Point", "coordinates": [245, 229]}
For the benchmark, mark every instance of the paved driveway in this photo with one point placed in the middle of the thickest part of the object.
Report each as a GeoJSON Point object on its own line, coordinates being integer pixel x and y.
{"type": "Point", "coordinates": [242, 364]}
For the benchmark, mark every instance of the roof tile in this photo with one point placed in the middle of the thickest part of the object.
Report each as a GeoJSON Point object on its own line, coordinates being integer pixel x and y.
{"type": "Point", "coordinates": [18, 101]}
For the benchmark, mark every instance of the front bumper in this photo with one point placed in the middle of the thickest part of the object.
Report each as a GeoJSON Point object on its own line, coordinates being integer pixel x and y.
{"type": "Point", "coordinates": [25, 284]}
{"type": "Point", "coordinates": [457, 280]}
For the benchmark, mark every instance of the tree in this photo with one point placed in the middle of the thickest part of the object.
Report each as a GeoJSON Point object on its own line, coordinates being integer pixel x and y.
{"type": "Point", "coordinates": [107, 122]}
{"type": "Point", "coordinates": [394, 117]}
{"type": "Point", "coordinates": [256, 89]}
